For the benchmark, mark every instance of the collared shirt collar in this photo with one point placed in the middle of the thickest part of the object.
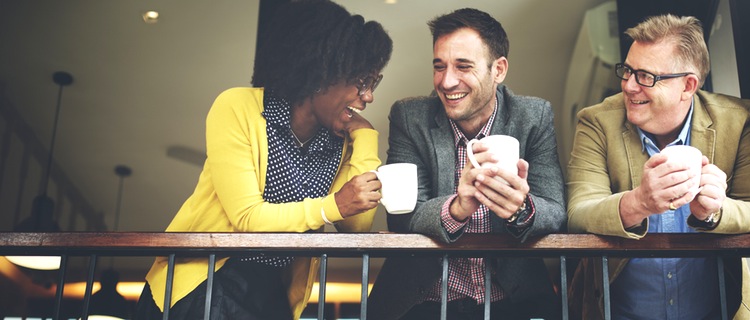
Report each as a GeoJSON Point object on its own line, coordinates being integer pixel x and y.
{"type": "Point", "coordinates": [647, 139]}
{"type": "Point", "coordinates": [459, 136]}
{"type": "Point", "coordinates": [277, 112]}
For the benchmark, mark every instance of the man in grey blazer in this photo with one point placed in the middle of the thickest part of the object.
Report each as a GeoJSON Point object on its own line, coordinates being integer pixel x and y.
{"type": "Point", "coordinates": [455, 198]}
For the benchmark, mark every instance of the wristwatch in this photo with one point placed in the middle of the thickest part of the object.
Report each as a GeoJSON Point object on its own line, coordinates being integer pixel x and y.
{"type": "Point", "coordinates": [708, 224]}
{"type": "Point", "coordinates": [713, 218]}
{"type": "Point", "coordinates": [521, 209]}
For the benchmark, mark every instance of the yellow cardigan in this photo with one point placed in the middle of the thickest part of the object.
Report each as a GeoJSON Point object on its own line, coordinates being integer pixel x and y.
{"type": "Point", "coordinates": [229, 195]}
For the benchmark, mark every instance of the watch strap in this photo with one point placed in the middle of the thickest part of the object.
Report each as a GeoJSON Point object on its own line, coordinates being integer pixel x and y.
{"type": "Point", "coordinates": [710, 223]}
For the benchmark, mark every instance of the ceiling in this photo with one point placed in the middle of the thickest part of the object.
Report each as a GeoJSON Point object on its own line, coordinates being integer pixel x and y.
{"type": "Point", "coordinates": [140, 88]}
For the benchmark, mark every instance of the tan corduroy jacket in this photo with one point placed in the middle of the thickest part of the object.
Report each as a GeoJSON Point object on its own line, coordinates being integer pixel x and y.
{"type": "Point", "coordinates": [607, 160]}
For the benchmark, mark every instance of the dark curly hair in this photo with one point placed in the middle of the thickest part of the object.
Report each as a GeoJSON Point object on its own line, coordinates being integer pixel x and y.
{"type": "Point", "coordinates": [489, 29]}
{"type": "Point", "coordinates": [311, 45]}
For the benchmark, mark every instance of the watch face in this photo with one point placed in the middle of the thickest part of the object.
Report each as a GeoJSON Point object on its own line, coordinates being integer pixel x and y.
{"type": "Point", "coordinates": [712, 218]}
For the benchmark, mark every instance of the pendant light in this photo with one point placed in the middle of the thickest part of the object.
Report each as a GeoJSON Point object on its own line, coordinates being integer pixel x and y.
{"type": "Point", "coordinates": [43, 207]}
{"type": "Point", "coordinates": [107, 303]}
{"type": "Point", "coordinates": [123, 172]}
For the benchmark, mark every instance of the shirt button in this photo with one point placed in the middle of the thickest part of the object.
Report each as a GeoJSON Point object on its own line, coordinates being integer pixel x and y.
{"type": "Point", "coordinates": [669, 275]}
{"type": "Point", "coordinates": [671, 302]}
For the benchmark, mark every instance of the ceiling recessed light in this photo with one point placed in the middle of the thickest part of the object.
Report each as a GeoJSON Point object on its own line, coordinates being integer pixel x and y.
{"type": "Point", "coordinates": [391, 1]}
{"type": "Point", "coordinates": [151, 16]}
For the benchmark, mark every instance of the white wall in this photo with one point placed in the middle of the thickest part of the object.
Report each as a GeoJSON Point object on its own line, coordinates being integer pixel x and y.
{"type": "Point", "coordinates": [723, 56]}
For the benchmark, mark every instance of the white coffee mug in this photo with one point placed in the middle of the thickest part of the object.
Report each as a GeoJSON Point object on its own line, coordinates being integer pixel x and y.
{"type": "Point", "coordinates": [504, 148]}
{"type": "Point", "coordinates": [399, 187]}
{"type": "Point", "coordinates": [690, 156]}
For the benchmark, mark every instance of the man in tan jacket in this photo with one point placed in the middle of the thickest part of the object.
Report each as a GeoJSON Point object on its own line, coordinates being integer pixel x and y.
{"type": "Point", "coordinates": [619, 184]}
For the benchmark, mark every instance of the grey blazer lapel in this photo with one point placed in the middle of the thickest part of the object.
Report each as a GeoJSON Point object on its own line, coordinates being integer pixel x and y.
{"type": "Point", "coordinates": [444, 153]}
{"type": "Point", "coordinates": [501, 125]}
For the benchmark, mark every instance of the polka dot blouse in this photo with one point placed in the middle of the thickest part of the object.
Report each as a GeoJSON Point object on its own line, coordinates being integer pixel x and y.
{"type": "Point", "coordinates": [295, 172]}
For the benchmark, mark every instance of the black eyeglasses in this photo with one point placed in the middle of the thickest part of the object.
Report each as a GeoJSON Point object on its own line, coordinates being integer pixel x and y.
{"type": "Point", "coordinates": [644, 78]}
{"type": "Point", "coordinates": [369, 83]}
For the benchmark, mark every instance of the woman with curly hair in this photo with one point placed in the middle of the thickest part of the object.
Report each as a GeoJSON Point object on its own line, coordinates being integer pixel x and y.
{"type": "Point", "coordinates": [290, 154]}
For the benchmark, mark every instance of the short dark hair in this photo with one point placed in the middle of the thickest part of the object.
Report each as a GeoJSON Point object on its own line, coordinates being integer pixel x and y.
{"type": "Point", "coordinates": [490, 30]}
{"type": "Point", "coordinates": [311, 45]}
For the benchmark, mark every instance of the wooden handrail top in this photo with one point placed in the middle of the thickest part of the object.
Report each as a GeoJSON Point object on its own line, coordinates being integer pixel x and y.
{"type": "Point", "coordinates": [382, 243]}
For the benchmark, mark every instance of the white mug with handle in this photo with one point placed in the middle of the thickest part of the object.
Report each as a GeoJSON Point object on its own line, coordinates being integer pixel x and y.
{"type": "Point", "coordinates": [504, 148]}
{"type": "Point", "coordinates": [399, 187]}
{"type": "Point", "coordinates": [690, 156]}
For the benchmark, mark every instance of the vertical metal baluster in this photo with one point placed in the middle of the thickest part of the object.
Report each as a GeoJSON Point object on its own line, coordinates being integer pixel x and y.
{"type": "Point", "coordinates": [487, 288]}
{"type": "Point", "coordinates": [60, 286]}
{"type": "Point", "coordinates": [605, 287]}
{"type": "Point", "coordinates": [168, 289]}
{"type": "Point", "coordinates": [209, 285]}
{"type": "Point", "coordinates": [89, 287]}
{"type": "Point", "coordinates": [722, 288]}
{"type": "Point", "coordinates": [444, 290]}
{"type": "Point", "coordinates": [365, 284]}
{"type": "Point", "coordinates": [564, 286]}
{"type": "Point", "coordinates": [322, 286]}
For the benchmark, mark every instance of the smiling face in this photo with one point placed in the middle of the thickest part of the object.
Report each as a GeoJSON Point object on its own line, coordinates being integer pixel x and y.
{"type": "Point", "coordinates": [466, 79]}
{"type": "Point", "coordinates": [660, 109]}
{"type": "Point", "coordinates": [336, 106]}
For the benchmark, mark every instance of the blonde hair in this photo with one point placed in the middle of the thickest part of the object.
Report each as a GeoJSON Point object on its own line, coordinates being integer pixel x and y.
{"type": "Point", "coordinates": [687, 35]}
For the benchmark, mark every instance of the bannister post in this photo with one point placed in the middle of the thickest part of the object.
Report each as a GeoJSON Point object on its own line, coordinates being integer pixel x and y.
{"type": "Point", "coordinates": [723, 287]}
{"type": "Point", "coordinates": [444, 290]}
{"type": "Point", "coordinates": [564, 286]}
{"type": "Point", "coordinates": [209, 285]}
{"type": "Point", "coordinates": [60, 286]}
{"type": "Point", "coordinates": [365, 284]}
{"type": "Point", "coordinates": [322, 286]}
{"type": "Point", "coordinates": [605, 287]}
{"type": "Point", "coordinates": [89, 287]}
{"type": "Point", "coordinates": [168, 289]}
{"type": "Point", "coordinates": [487, 287]}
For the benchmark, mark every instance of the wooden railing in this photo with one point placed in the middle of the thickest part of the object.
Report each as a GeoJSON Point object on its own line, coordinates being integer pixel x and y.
{"type": "Point", "coordinates": [367, 245]}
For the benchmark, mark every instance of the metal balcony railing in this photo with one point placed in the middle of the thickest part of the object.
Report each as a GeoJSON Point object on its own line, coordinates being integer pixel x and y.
{"type": "Point", "coordinates": [365, 245]}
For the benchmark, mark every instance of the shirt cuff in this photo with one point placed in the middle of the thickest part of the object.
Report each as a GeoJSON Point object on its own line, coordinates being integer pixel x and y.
{"type": "Point", "coordinates": [639, 229]}
{"type": "Point", "coordinates": [323, 215]}
{"type": "Point", "coordinates": [329, 211]}
{"type": "Point", "coordinates": [449, 223]}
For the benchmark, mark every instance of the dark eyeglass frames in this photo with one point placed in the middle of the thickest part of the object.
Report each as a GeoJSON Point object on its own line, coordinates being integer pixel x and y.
{"type": "Point", "coordinates": [369, 83]}
{"type": "Point", "coordinates": [644, 78]}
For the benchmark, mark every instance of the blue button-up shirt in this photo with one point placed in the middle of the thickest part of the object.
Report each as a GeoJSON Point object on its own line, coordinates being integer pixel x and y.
{"type": "Point", "coordinates": [667, 288]}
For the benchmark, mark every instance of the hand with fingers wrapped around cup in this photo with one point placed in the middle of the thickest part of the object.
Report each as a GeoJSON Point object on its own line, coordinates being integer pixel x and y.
{"type": "Point", "coordinates": [398, 187]}
{"type": "Point", "coordinates": [671, 179]}
{"type": "Point", "coordinates": [358, 194]}
{"type": "Point", "coordinates": [713, 190]}
{"type": "Point", "coordinates": [662, 156]}
{"type": "Point", "coordinates": [494, 176]}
